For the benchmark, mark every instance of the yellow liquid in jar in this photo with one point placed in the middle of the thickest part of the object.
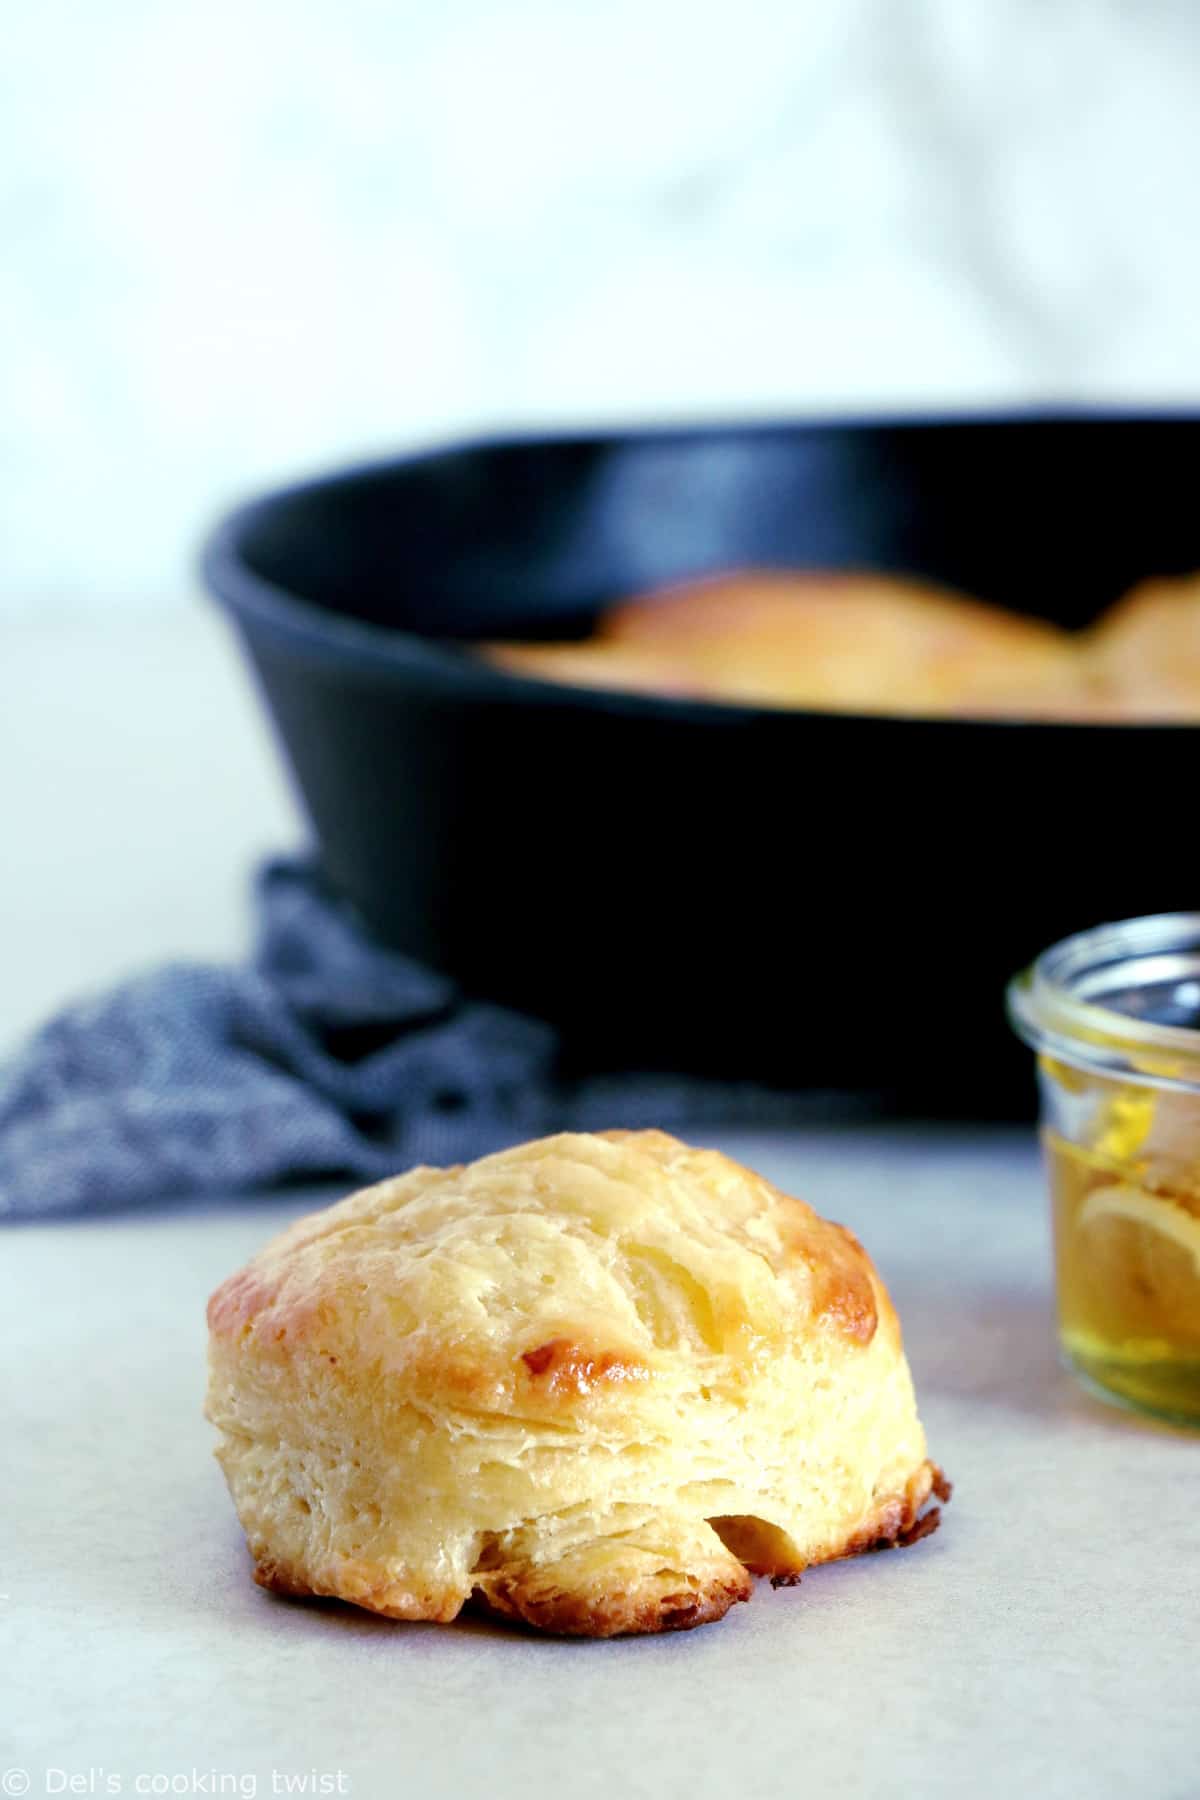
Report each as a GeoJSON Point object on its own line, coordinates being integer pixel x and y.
{"type": "Point", "coordinates": [1127, 1250]}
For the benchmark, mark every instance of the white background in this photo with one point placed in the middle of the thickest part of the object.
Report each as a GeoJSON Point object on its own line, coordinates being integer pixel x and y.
{"type": "Point", "coordinates": [246, 238]}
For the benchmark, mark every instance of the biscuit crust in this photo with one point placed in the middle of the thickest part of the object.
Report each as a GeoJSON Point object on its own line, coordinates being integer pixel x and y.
{"type": "Point", "coordinates": [847, 641]}
{"type": "Point", "coordinates": [594, 1385]}
{"type": "Point", "coordinates": [837, 640]}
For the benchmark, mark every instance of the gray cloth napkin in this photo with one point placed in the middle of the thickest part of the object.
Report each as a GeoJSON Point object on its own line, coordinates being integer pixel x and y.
{"type": "Point", "coordinates": [327, 1055]}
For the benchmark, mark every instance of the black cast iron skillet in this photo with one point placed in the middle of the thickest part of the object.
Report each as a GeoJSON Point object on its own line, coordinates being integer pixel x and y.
{"type": "Point", "coordinates": [810, 899]}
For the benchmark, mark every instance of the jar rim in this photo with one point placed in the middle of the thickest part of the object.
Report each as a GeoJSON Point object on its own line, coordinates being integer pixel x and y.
{"type": "Point", "coordinates": [1063, 1004]}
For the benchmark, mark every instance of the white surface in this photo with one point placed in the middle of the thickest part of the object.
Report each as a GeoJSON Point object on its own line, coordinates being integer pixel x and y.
{"type": "Point", "coordinates": [250, 237]}
{"type": "Point", "coordinates": [138, 788]}
{"type": "Point", "coordinates": [1045, 1642]}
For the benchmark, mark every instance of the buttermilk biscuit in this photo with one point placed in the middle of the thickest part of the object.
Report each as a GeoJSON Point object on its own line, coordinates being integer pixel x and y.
{"type": "Point", "coordinates": [595, 1383]}
{"type": "Point", "coordinates": [825, 640]}
{"type": "Point", "coordinates": [1143, 655]}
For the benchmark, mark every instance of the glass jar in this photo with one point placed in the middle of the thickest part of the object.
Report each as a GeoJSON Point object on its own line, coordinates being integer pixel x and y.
{"type": "Point", "coordinates": [1114, 1015]}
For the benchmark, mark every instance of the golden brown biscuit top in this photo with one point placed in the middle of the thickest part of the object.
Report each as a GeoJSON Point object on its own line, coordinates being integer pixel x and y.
{"type": "Point", "coordinates": [1145, 651]}
{"type": "Point", "coordinates": [855, 641]}
{"type": "Point", "coordinates": [846, 641]}
{"type": "Point", "coordinates": [581, 1269]}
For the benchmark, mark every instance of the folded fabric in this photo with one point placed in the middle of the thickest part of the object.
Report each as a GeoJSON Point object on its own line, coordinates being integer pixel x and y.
{"type": "Point", "coordinates": [326, 1055]}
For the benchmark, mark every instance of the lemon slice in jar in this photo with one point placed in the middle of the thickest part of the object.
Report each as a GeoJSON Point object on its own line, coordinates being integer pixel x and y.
{"type": "Point", "coordinates": [1128, 1118]}
{"type": "Point", "coordinates": [1140, 1257]}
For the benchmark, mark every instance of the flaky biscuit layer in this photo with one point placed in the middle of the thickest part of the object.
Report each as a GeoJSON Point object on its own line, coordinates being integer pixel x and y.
{"type": "Point", "coordinates": [595, 1382]}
